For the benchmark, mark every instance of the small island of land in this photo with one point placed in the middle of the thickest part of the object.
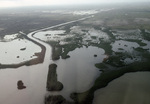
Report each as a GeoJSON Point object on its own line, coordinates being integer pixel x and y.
{"type": "Point", "coordinates": [52, 83]}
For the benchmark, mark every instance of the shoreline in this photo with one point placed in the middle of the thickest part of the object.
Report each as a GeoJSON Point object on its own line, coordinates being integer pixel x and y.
{"type": "Point", "coordinates": [40, 55]}
{"type": "Point", "coordinates": [131, 88]}
{"type": "Point", "coordinates": [39, 59]}
{"type": "Point", "coordinates": [105, 78]}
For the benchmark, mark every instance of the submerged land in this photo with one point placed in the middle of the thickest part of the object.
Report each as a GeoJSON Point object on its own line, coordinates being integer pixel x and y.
{"type": "Point", "coordinates": [118, 35]}
{"type": "Point", "coordinates": [121, 90]}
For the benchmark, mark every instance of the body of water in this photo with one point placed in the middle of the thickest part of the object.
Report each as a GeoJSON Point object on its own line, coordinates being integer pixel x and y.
{"type": "Point", "coordinates": [131, 88]}
{"type": "Point", "coordinates": [34, 78]}
{"type": "Point", "coordinates": [78, 73]}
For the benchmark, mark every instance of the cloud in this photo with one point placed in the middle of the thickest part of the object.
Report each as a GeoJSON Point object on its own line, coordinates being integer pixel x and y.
{"type": "Point", "coordinates": [12, 3]}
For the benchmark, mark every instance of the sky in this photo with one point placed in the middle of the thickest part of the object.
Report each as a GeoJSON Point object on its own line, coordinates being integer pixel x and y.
{"type": "Point", "coordinates": [17, 3]}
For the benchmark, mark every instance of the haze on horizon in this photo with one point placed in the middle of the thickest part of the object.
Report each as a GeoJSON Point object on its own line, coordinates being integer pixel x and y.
{"type": "Point", "coordinates": [20, 3]}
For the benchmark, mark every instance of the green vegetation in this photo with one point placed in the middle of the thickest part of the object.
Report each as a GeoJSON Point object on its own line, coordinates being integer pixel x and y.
{"type": "Point", "coordinates": [20, 85]}
{"type": "Point", "coordinates": [101, 66]}
{"type": "Point", "coordinates": [57, 50]}
{"type": "Point", "coordinates": [105, 78]}
{"type": "Point", "coordinates": [137, 41]}
{"type": "Point", "coordinates": [146, 35]}
{"type": "Point", "coordinates": [56, 99]}
{"type": "Point", "coordinates": [111, 21]}
{"type": "Point", "coordinates": [139, 49]}
{"type": "Point", "coordinates": [114, 66]}
{"type": "Point", "coordinates": [67, 49]}
{"type": "Point", "coordinates": [115, 60]}
{"type": "Point", "coordinates": [52, 83]}
{"type": "Point", "coordinates": [125, 18]}
{"type": "Point", "coordinates": [106, 46]}
{"type": "Point", "coordinates": [39, 59]}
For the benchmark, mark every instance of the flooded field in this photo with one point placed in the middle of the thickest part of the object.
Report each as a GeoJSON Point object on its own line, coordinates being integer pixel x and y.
{"type": "Point", "coordinates": [34, 78]}
{"type": "Point", "coordinates": [86, 48]}
{"type": "Point", "coordinates": [15, 51]}
{"type": "Point", "coordinates": [131, 88]}
{"type": "Point", "coordinates": [78, 73]}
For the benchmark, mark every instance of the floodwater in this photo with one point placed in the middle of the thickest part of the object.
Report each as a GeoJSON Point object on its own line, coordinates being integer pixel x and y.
{"type": "Point", "coordinates": [11, 52]}
{"type": "Point", "coordinates": [124, 45]}
{"type": "Point", "coordinates": [78, 73]}
{"type": "Point", "coordinates": [34, 78]}
{"type": "Point", "coordinates": [51, 35]}
{"type": "Point", "coordinates": [147, 46]}
{"type": "Point", "coordinates": [131, 88]}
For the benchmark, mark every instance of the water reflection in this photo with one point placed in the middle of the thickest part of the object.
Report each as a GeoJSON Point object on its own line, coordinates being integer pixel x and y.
{"type": "Point", "coordinates": [79, 72]}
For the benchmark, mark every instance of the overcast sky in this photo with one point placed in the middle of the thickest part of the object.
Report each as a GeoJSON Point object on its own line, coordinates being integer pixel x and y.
{"type": "Point", "coordinates": [14, 3]}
